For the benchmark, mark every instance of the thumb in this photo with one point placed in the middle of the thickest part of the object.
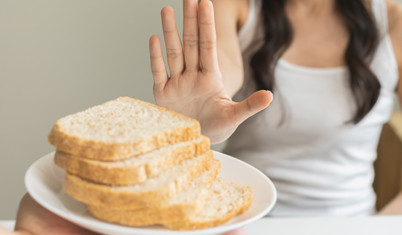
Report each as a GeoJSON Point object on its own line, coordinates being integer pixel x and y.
{"type": "Point", "coordinates": [256, 102]}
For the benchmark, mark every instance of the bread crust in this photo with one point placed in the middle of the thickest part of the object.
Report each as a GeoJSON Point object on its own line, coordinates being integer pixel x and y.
{"type": "Point", "coordinates": [110, 151]}
{"type": "Point", "coordinates": [122, 161]}
{"type": "Point", "coordinates": [162, 215]}
{"type": "Point", "coordinates": [189, 223]}
{"type": "Point", "coordinates": [123, 198]}
{"type": "Point", "coordinates": [125, 173]}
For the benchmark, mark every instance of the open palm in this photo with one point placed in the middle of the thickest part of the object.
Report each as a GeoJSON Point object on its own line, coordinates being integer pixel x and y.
{"type": "Point", "coordinates": [195, 86]}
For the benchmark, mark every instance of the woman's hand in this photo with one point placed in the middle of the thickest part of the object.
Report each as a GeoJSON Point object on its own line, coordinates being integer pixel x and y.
{"type": "Point", "coordinates": [33, 219]}
{"type": "Point", "coordinates": [195, 86]}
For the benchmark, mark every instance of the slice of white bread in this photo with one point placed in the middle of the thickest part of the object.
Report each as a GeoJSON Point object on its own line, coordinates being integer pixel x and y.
{"type": "Point", "coordinates": [120, 129]}
{"type": "Point", "coordinates": [189, 202]}
{"type": "Point", "coordinates": [226, 200]}
{"type": "Point", "coordinates": [133, 170]}
{"type": "Point", "coordinates": [153, 192]}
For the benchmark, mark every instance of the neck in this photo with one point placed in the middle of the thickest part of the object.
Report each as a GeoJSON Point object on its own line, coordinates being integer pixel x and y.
{"type": "Point", "coordinates": [311, 7]}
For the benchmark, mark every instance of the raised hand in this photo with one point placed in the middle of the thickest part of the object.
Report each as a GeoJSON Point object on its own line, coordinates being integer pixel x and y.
{"type": "Point", "coordinates": [195, 86]}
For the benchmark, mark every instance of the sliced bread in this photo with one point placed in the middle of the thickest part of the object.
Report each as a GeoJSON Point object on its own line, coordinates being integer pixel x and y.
{"type": "Point", "coordinates": [188, 203]}
{"type": "Point", "coordinates": [120, 129]}
{"type": "Point", "coordinates": [133, 170]}
{"type": "Point", "coordinates": [153, 192]}
{"type": "Point", "coordinates": [226, 200]}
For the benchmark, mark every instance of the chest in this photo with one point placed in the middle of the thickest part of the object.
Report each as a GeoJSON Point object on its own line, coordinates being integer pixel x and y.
{"type": "Point", "coordinates": [313, 107]}
{"type": "Point", "coordinates": [310, 102]}
{"type": "Point", "coordinates": [319, 44]}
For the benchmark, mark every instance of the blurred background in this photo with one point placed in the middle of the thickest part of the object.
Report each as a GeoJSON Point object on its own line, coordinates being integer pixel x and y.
{"type": "Point", "coordinates": [61, 56]}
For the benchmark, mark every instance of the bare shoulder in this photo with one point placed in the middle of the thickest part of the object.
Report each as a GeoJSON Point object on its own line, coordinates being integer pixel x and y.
{"type": "Point", "coordinates": [395, 28]}
{"type": "Point", "coordinates": [395, 32]}
{"type": "Point", "coordinates": [237, 10]}
{"type": "Point", "coordinates": [394, 9]}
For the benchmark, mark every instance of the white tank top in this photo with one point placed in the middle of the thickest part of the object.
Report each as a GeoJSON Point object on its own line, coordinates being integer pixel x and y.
{"type": "Point", "coordinates": [320, 163]}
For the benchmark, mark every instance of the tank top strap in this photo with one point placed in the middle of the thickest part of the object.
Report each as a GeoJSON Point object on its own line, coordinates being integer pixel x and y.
{"type": "Point", "coordinates": [379, 9]}
{"type": "Point", "coordinates": [247, 32]}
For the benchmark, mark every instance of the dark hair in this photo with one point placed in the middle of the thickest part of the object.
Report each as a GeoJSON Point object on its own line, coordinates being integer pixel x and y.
{"type": "Point", "coordinates": [363, 41]}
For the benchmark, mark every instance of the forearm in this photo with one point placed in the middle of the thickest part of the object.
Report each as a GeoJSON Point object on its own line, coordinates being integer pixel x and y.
{"type": "Point", "coordinates": [394, 207]}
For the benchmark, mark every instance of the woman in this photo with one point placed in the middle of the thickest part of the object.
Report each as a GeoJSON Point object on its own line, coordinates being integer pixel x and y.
{"type": "Point", "coordinates": [333, 67]}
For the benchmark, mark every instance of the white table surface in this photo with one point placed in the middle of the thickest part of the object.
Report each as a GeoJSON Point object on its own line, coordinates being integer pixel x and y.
{"type": "Point", "coordinates": [375, 225]}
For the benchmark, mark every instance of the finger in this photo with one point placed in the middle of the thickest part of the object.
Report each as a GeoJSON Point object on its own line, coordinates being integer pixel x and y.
{"type": "Point", "coordinates": [174, 50]}
{"type": "Point", "coordinates": [190, 34]}
{"type": "Point", "coordinates": [157, 63]}
{"type": "Point", "coordinates": [206, 22]}
{"type": "Point", "coordinates": [253, 104]}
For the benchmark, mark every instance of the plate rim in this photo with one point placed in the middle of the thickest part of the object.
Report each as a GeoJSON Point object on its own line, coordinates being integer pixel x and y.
{"type": "Point", "coordinates": [85, 222]}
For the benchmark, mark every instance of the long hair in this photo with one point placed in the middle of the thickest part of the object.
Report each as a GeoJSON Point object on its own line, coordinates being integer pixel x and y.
{"type": "Point", "coordinates": [363, 41]}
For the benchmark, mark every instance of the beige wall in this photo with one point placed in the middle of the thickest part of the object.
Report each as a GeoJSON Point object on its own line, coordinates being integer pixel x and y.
{"type": "Point", "coordinates": [59, 57]}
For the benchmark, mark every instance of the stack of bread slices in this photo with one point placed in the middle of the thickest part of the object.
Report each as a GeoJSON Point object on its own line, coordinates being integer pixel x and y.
{"type": "Point", "coordinates": [137, 164]}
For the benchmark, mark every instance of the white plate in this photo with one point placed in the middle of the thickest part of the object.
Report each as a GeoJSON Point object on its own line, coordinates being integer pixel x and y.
{"type": "Point", "coordinates": [44, 182]}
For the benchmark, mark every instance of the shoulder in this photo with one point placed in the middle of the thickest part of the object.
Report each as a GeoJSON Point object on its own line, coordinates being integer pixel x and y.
{"type": "Point", "coordinates": [236, 10]}
{"type": "Point", "coordinates": [395, 32]}
{"type": "Point", "coordinates": [395, 27]}
{"type": "Point", "coordinates": [394, 17]}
